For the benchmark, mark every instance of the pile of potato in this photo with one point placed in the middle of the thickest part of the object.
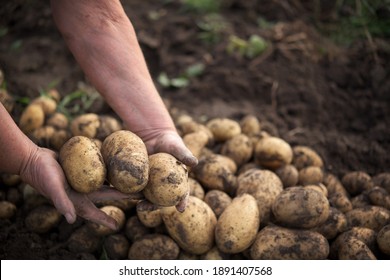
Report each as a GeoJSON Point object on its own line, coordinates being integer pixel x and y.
{"type": "Point", "coordinates": [252, 195]}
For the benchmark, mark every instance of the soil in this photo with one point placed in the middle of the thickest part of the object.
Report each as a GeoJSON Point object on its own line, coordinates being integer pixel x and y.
{"type": "Point", "coordinates": [304, 88]}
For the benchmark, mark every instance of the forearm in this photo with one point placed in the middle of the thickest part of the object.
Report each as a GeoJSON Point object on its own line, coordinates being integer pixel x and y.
{"type": "Point", "coordinates": [15, 146]}
{"type": "Point", "coordinates": [104, 43]}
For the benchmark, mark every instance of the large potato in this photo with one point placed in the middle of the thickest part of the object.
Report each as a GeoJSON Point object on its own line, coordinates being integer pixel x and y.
{"type": "Point", "coordinates": [127, 161]}
{"type": "Point", "coordinates": [193, 230]}
{"type": "Point", "coordinates": [83, 164]}
{"type": "Point", "coordinates": [168, 180]}
{"type": "Point", "coordinates": [264, 186]}
{"type": "Point", "coordinates": [154, 247]}
{"type": "Point", "coordinates": [278, 243]}
{"type": "Point", "coordinates": [357, 182]}
{"type": "Point", "coordinates": [273, 152]}
{"type": "Point", "coordinates": [238, 225]}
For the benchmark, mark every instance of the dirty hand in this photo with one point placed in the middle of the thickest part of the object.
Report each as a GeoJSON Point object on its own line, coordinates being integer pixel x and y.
{"type": "Point", "coordinates": [44, 173]}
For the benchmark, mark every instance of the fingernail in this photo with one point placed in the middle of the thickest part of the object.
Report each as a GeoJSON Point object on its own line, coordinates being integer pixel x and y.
{"type": "Point", "coordinates": [70, 218]}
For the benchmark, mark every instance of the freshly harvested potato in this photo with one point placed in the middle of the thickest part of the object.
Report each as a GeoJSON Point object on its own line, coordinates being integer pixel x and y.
{"type": "Point", "coordinates": [278, 243]}
{"type": "Point", "coordinates": [238, 225]}
{"type": "Point", "coordinates": [341, 201]}
{"type": "Point", "coordinates": [250, 125]}
{"type": "Point", "coordinates": [10, 179]}
{"type": "Point", "coordinates": [85, 125]}
{"type": "Point", "coordinates": [334, 186]}
{"type": "Point", "coordinates": [318, 187]}
{"type": "Point", "coordinates": [217, 200]}
{"type": "Point", "coordinates": [14, 196]}
{"type": "Point", "coordinates": [196, 188]}
{"type": "Point", "coordinates": [58, 121]}
{"type": "Point", "coordinates": [7, 210]}
{"type": "Point", "coordinates": [32, 118]}
{"type": "Point", "coordinates": [272, 152]}
{"type": "Point", "coordinates": [196, 141]}
{"type": "Point", "coordinates": [357, 182]}
{"type": "Point", "coordinates": [7, 100]}
{"type": "Point", "coordinates": [54, 94]}
{"type": "Point", "coordinates": [361, 200]}
{"type": "Point", "coordinates": [310, 175]}
{"type": "Point", "coordinates": [304, 156]}
{"type": "Point", "coordinates": [48, 105]}
{"type": "Point", "coordinates": [383, 240]}
{"type": "Point", "coordinates": [154, 247]}
{"type": "Point", "coordinates": [300, 207]}
{"type": "Point", "coordinates": [168, 180]}
{"type": "Point", "coordinates": [214, 254]}
{"type": "Point", "coordinates": [107, 126]}
{"type": "Point", "coordinates": [42, 219]}
{"type": "Point", "coordinates": [82, 240]}
{"type": "Point", "coordinates": [334, 225]}
{"type": "Point", "coordinates": [83, 164]}
{"type": "Point", "coordinates": [135, 229]}
{"type": "Point", "coordinates": [183, 255]}
{"type": "Point", "coordinates": [59, 138]}
{"type": "Point", "coordinates": [193, 230]}
{"type": "Point", "coordinates": [379, 196]}
{"type": "Point", "coordinates": [150, 219]}
{"type": "Point", "coordinates": [288, 174]}
{"type": "Point", "coordinates": [355, 249]}
{"type": "Point", "coordinates": [42, 135]}
{"type": "Point", "coordinates": [264, 186]}
{"type": "Point", "coordinates": [373, 217]}
{"type": "Point", "coordinates": [239, 148]}
{"type": "Point", "coordinates": [116, 247]}
{"type": "Point", "coordinates": [127, 161]}
{"type": "Point", "coordinates": [212, 173]}
{"type": "Point", "coordinates": [382, 180]}
{"type": "Point", "coordinates": [114, 212]}
{"type": "Point", "coordinates": [223, 128]}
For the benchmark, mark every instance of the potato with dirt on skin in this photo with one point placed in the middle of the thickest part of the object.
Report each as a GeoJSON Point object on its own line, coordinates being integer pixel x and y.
{"type": "Point", "coordinates": [214, 254]}
{"type": "Point", "coordinates": [334, 185]}
{"type": "Point", "coordinates": [32, 118]}
{"type": "Point", "coordinates": [193, 230]}
{"type": "Point", "coordinates": [279, 243]}
{"type": "Point", "coordinates": [195, 142]}
{"type": "Point", "coordinates": [264, 186]}
{"type": "Point", "coordinates": [250, 125]}
{"type": "Point", "coordinates": [48, 104]}
{"type": "Point", "coordinates": [127, 161]}
{"type": "Point", "coordinates": [85, 125]}
{"type": "Point", "coordinates": [58, 121]}
{"type": "Point", "coordinates": [357, 182]}
{"type": "Point", "coordinates": [154, 247]}
{"type": "Point", "coordinates": [223, 128]}
{"type": "Point", "coordinates": [355, 249]}
{"type": "Point", "coordinates": [310, 175]}
{"type": "Point", "coordinates": [168, 180]}
{"type": "Point", "coordinates": [334, 225]}
{"type": "Point", "coordinates": [318, 187]}
{"type": "Point", "coordinates": [341, 202]}
{"type": "Point", "coordinates": [107, 126]}
{"type": "Point", "coordinates": [238, 225]}
{"type": "Point", "coordinates": [299, 207]}
{"type": "Point", "coordinates": [382, 180]}
{"type": "Point", "coordinates": [217, 200]}
{"type": "Point", "coordinates": [373, 217]}
{"type": "Point", "coordinates": [135, 229]}
{"type": "Point", "coordinates": [196, 188]}
{"type": "Point", "coordinates": [82, 240]}
{"type": "Point", "coordinates": [239, 148]}
{"type": "Point", "coordinates": [59, 138]}
{"type": "Point", "coordinates": [42, 219]}
{"type": "Point", "coordinates": [383, 240]}
{"type": "Point", "coordinates": [116, 246]}
{"type": "Point", "coordinates": [379, 196]}
{"type": "Point", "coordinates": [304, 156]}
{"type": "Point", "coordinates": [150, 219]}
{"type": "Point", "coordinates": [42, 135]}
{"type": "Point", "coordinates": [83, 164]}
{"type": "Point", "coordinates": [272, 152]}
{"type": "Point", "coordinates": [7, 210]}
{"type": "Point", "coordinates": [114, 212]}
{"type": "Point", "coordinates": [288, 174]}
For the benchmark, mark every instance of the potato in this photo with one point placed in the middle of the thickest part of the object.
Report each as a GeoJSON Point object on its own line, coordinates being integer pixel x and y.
{"type": "Point", "coordinates": [196, 188]}
{"type": "Point", "coordinates": [82, 240]}
{"type": "Point", "coordinates": [114, 212]}
{"type": "Point", "coordinates": [107, 126]}
{"type": "Point", "coordinates": [250, 125]}
{"type": "Point", "coordinates": [310, 175]}
{"type": "Point", "coordinates": [341, 202]}
{"type": "Point", "coordinates": [48, 105]}
{"type": "Point", "coordinates": [383, 240]}
{"type": "Point", "coordinates": [217, 200]}
{"type": "Point", "coordinates": [150, 219]}
{"type": "Point", "coordinates": [318, 187]}
{"type": "Point", "coordinates": [288, 174]}
{"type": "Point", "coordinates": [334, 186]}
{"type": "Point", "coordinates": [42, 219]}
{"type": "Point", "coordinates": [32, 118]}
{"type": "Point", "coordinates": [83, 164]}
{"type": "Point", "coordinates": [116, 246]}
{"type": "Point", "coordinates": [361, 200]}
{"type": "Point", "coordinates": [59, 138]}
{"type": "Point", "coordinates": [355, 249]}
{"type": "Point", "coordinates": [304, 156]}
{"type": "Point", "coordinates": [54, 94]}
{"type": "Point", "coordinates": [85, 125]}
{"type": "Point", "coordinates": [382, 180]}
{"type": "Point", "coordinates": [357, 182]}
{"type": "Point", "coordinates": [195, 142]}
{"type": "Point", "coordinates": [272, 152]}
{"type": "Point", "coordinates": [127, 161]}
{"type": "Point", "coordinates": [264, 186]}
{"type": "Point", "coordinates": [239, 148]}
{"type": "Point", "coordinates": [58, 121]}
{"type": "Point", "coordinates": [278, 243]}
{"type": "Point", "coordinates": [154, 247]}
{"type": "Point", "coordinates": [14, 196]}
{"type": "Point", "coordinates": [373, 217]}
{"type": "Point", "coordinates": [238, 225]}
{"type": "Point", "coordinates": [223, 128]}
{"type": "Point", "coordinates": [135, 229]}
{"type": "Point", "coordinates": [379, 196]}
{"type": "Point", "coordinates": [10, 179]}
{"type": "Point", "coordinates": [192, 126]}
{"type": "Point", "coordinates": [334, 225]}
{"type": "Point", "coordinates": [193, 230]}
{"type": "Point", "coordinates": [183, 255]}
{"type": "Point", "coordinates": [7, 210]}
{"type": "Point", "coordinates": [7, 100]}
{"type": "Point", "coordinates": [300, 207]}
{"type": "Point", "coordinates": [168, 180]}
{"type": "Point", "coordinates": [214, 254]}
{"type": "Point", "coordinates": [214, 174]}
{"type": "Point", "coordinates": [42, 135]}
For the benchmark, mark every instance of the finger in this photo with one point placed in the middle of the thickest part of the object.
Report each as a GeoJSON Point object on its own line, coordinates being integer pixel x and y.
{"type": "Point", "coordinates": [109, 193]}
{"type": "Point", "coordinates": [181, 206]}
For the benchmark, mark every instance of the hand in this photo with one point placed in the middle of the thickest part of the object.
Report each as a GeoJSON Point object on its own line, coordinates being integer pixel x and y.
{"type": "Point", "coordinates": [43, 172]}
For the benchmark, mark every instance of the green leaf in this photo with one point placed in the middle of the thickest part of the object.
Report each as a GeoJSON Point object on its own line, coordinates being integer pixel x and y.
{"type": "Point", "coordinates": [163, 79]}
{"type": "Point", "coordinates": [180, 82]}
{"type": "Point", "coordinates": [256, 46]}
{"type": "Point", "coordinates": [195, 70]}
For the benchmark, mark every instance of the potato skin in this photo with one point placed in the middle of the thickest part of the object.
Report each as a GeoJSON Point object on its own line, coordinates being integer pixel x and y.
{"type": "Point", "coordinates": [334, 225]}
{"type": "Point", "coordinates": [7, 209]}
{"type": "Point", "coordinates": [116, 246]}
{"type": "Point", "coordinates": [154, 247]}
{"type": "Point", "coordinates": [223, 128]}
{"type": "Point", "coordinates": [193, 230]}
{"type": "Point", "coordinates": [85, 125]}
{"type": "Point", "coordinates": [278, 243]}
{"type": "Point", "coordinates": [373, 217]}
{"type": "Point", "coordinates": [272, 152]}
{"type": "Point", "coordinates": [304, 156]}
{"type": "Point", "coordinates": [116, 213]}
{"type": "Point", "coordinates": [355, 249]}
{"type": "Point", "coordinates": [238, 225]}
{"type": "Point", "coordinates": [168, 180]}
{"type": "Point", "coordinates": [42, 219]}
{"type": "Point", "coordinates": [383, 240]}
{"type": "Point", "coordinates": [288, 174]}
{"type": "Point", "coordinates": [357, 182]}
{"type": "Point", "coordinates": [239, 148]}
{"type": "Point", "coordinates": [127, 161]}
{"type": "Point", "coordinates": [83, 164]}
{"type": "Point", "coordinates": [32, 117]}
{"type": "Point", "coordinates": [217, 200]}
{"type": "Point", "coordinates": [300, 207]}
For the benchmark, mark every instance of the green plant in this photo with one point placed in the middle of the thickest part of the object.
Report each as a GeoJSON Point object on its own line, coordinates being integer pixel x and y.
{"type": "Point", "coordinates": [202, 6]}
{"type": "Point", "coordinates": [250, 48]}
{"type": "Point", "coordinates": [182, 80]}
{"type": "Point", "coordinates": [212, 27]}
